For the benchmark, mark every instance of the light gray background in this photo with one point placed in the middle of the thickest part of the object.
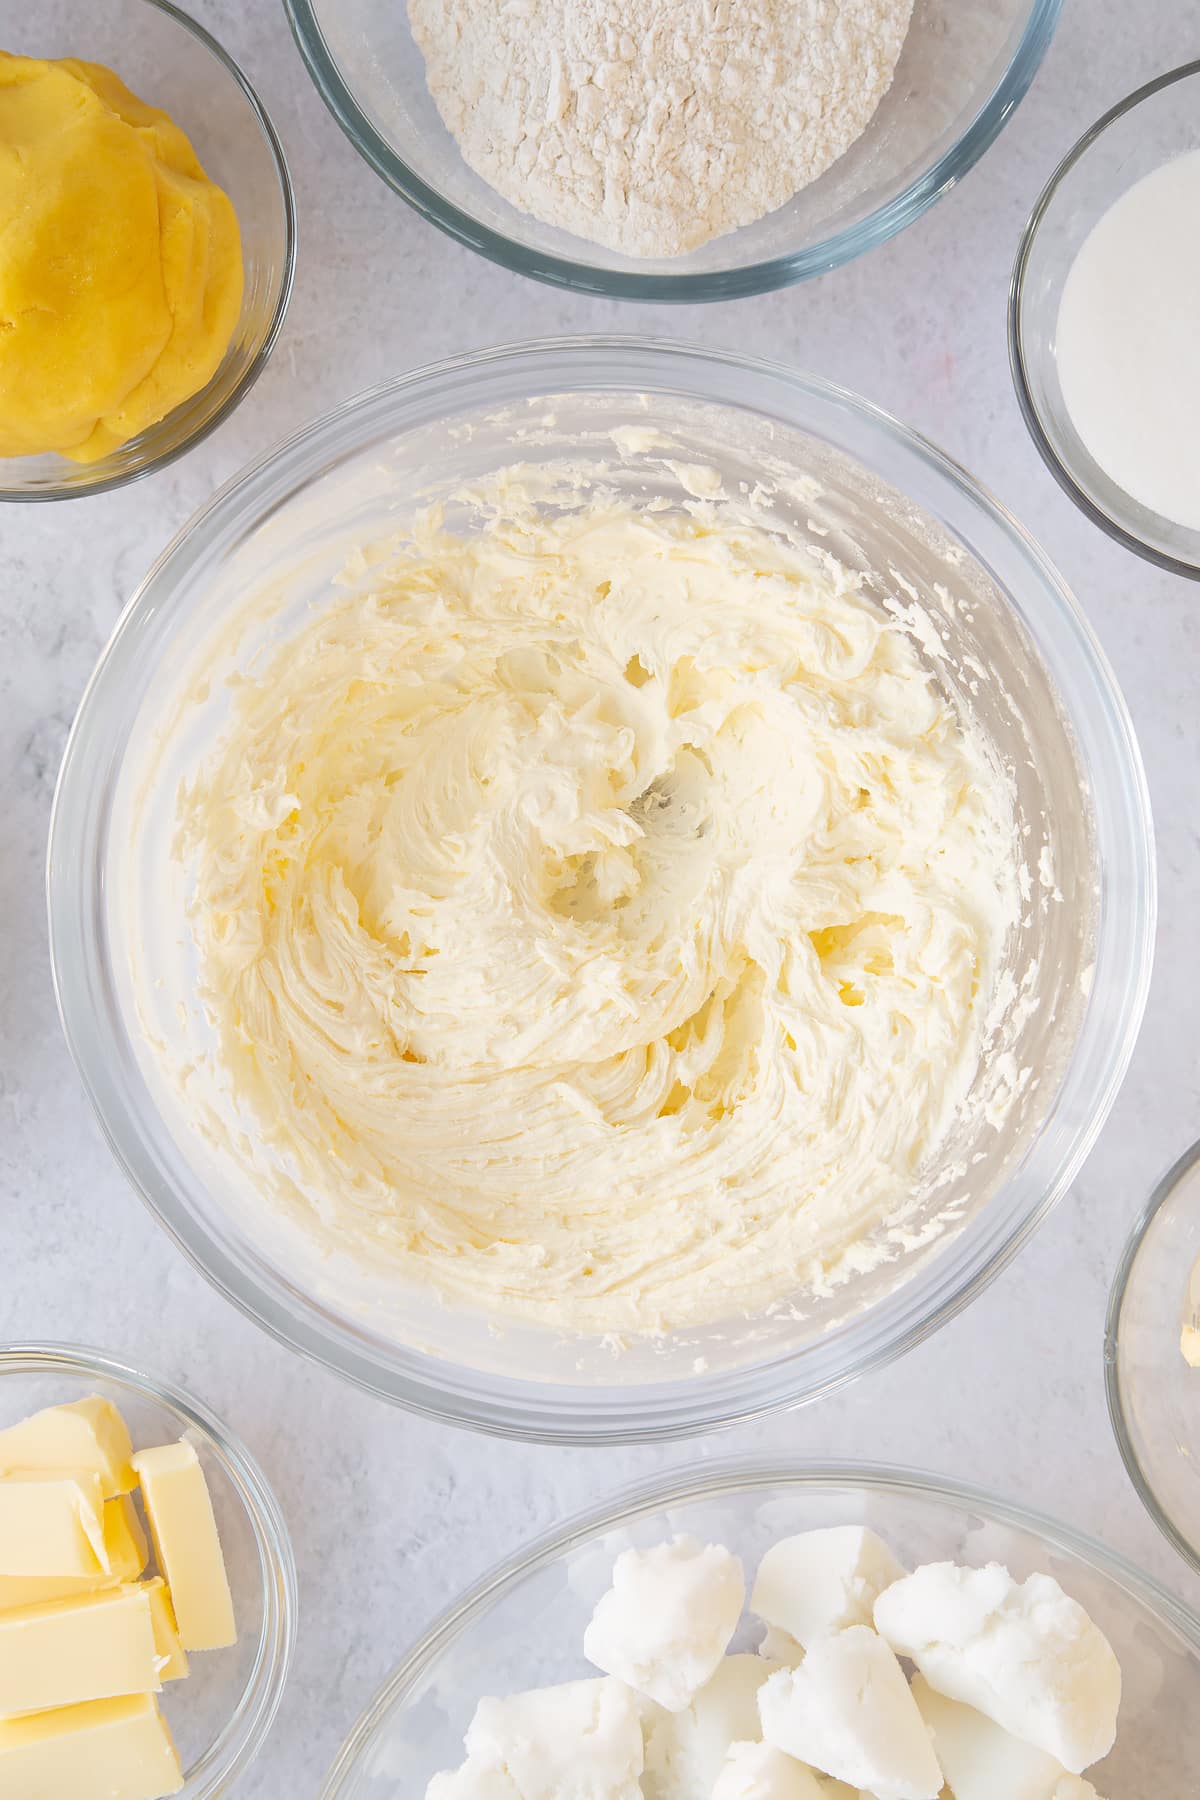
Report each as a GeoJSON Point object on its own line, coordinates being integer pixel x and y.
{"type": "Point", "coordinates": [390, 1515]}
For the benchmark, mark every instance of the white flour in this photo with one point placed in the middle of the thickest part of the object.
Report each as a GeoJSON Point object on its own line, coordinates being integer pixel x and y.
{"type": "Point", "coordinates": [651, 126]}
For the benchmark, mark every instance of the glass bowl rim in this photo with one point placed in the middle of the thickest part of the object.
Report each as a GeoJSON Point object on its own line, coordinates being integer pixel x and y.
{"type": "Point", "coordinates": [287, 276]}
{"type": "Point", "coordinates": [712, 285]}
{"type": "Point", "coordinates": [434, 1386]}
{"type": "Point", "coordinates": [260, 1701]}
{"type": "Point", "coordinates": [1118, 1413]}
{"type": "Point", "coordinates": [715, 1480]}
{"type": "Point", "coordinates": [1019, 361]}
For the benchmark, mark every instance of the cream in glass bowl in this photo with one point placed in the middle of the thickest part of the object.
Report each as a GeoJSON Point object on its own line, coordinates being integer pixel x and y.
{"type": "Point", "coordinates": [392, 888]}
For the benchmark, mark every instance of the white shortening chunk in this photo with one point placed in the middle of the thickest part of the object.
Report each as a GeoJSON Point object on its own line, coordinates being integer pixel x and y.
{"type": "Point", "coordinates": [761, 1772]}
{"type": "Point", "coordinates": [685, 1750]}
{"type": "Point", "coordinates": [1074, 1787]}
{"type": "Point", "coordinates": [1022, 1653]}
{"type": "Point", "coordinates": [780, 1647]}
{"type": "Point", "coordinates": [823, 1581]}
{"type": "Point", "coordinates": [982, 1761]}
{"type": "Point", "coordinates": [473, 1781]}
{"type": "Point", "coordinates": [580, 1741]}
{"type": "Point", "coordinates": [667, 1619]}
{"type": "Point", "coordinates": [847, 1711]}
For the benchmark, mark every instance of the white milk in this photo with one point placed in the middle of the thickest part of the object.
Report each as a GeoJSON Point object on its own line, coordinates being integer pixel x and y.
{"type": "Point", "coordinates": [1128, 341]}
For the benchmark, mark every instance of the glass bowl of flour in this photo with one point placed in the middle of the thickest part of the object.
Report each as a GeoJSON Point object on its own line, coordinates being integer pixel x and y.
{"type": "Point", "coordinates": [660, 150]}
{"type": "Point", "coordinates": [522, 1625]}
{"type": "Point", "coordinates": [602, 890]}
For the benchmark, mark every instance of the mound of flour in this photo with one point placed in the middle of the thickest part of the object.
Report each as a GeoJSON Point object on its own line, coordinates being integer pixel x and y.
{"type": "Point", "coordinates": [651, 126]}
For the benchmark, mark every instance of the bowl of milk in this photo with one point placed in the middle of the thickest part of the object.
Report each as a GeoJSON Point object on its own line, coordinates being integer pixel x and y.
{"type": "Point", "coordinates": [1104, 322]}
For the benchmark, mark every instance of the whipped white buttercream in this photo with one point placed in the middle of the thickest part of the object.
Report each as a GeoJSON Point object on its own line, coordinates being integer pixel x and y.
{"type": "Point", "coordinates": [599, 912]}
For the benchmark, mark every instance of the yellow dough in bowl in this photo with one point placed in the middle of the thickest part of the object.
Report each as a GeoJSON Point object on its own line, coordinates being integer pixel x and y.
{"type": "Point", "coordinates": [120, 262]}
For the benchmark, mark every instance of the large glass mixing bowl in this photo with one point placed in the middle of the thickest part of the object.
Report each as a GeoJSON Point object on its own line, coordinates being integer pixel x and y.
{"type": "Point", "coordinates": [523, 1625]}
{"type": "Point", "coordinates": [1009, 644]}
{"type": "Point", "coordinates": [965, 67]}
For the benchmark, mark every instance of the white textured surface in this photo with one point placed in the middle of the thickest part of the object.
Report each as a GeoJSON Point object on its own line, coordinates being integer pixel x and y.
{"type": "Point", "coordinates": [391, 1516]}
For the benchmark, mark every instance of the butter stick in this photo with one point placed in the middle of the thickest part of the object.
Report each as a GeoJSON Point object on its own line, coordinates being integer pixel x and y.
{"type": "Point", "coordinates": [124, 1539]}
{"type": "Point", "coordinates": [52, 1525]}
{"type": "Point", "coordinates": [127, 1551]}
{"type": "Point", "coordinates": [105, 1750]}
{"type": "Point", "coordinates": [172, 1657]}
{"type": "Point", "coordinates": [187, 1545]}
{"type": "Point", "coordinates": [93, 1648]}
{"type": "Point", "coordinates": [82, 1435]}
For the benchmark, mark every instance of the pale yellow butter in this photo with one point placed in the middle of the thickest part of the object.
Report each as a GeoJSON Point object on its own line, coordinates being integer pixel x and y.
{"type": "Point", "coordinates": [84, 1434]}
{"type": "Point", "coordinates": [95, 1647]}
{"type": "Point", "coordinates": [106, 1750]}
{"type": "Point", "coordinates": [127, 1551]}
{"type": "Point", "coordinates": [601, 915]}
{"type": "Point", "coordinates": [188, 1547]}
{"type": "Point", "coordinates": [124, 1539]}
{"type": "Point", "coordinates": [172, 1657]}
{"type": "Point", "coordinates": [52, 1524]}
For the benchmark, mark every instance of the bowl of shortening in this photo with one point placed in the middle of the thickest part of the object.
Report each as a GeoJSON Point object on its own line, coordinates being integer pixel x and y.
{"type": "Point", "coordinates": [525, 1627]}
{"type": "Point", "coordinates": [1104, 322]}
{"type": "Point", "coordinates": [150, 241]}
{"type": "Point", "coordinates": [602, 889]}
{"type": "Point", "coordinates": [1152, 1355]}
{"type": "Point", "coordinates": [660, 150]}
{"type": "Point", "coordinates": [193, 1554]}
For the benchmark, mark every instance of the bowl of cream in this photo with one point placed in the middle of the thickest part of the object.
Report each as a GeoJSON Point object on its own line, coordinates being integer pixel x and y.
{"type": "Point", "coordinates": [602, 890]}
{"type": "Point", "coordinates": [1104, 322]}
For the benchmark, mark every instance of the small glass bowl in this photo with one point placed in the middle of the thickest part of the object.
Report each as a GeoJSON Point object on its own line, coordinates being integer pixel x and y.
{"type": "Point", "coordinates": [221, 1715]}
{"type": "Point", "coordinates": [523, 1625]}
{"type": "Point", "coordinates": [965, 67]}
{"type": "Point", "coordinates": [1135, 137]}
{"type": "Point", "coordinates": [171, 62]}
{"type": "Point", "coordinates": [1153, 1396]}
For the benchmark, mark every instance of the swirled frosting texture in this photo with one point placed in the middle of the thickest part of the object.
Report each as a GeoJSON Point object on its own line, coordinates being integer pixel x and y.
{"type": "Point", "coordinates": [599, 912]}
